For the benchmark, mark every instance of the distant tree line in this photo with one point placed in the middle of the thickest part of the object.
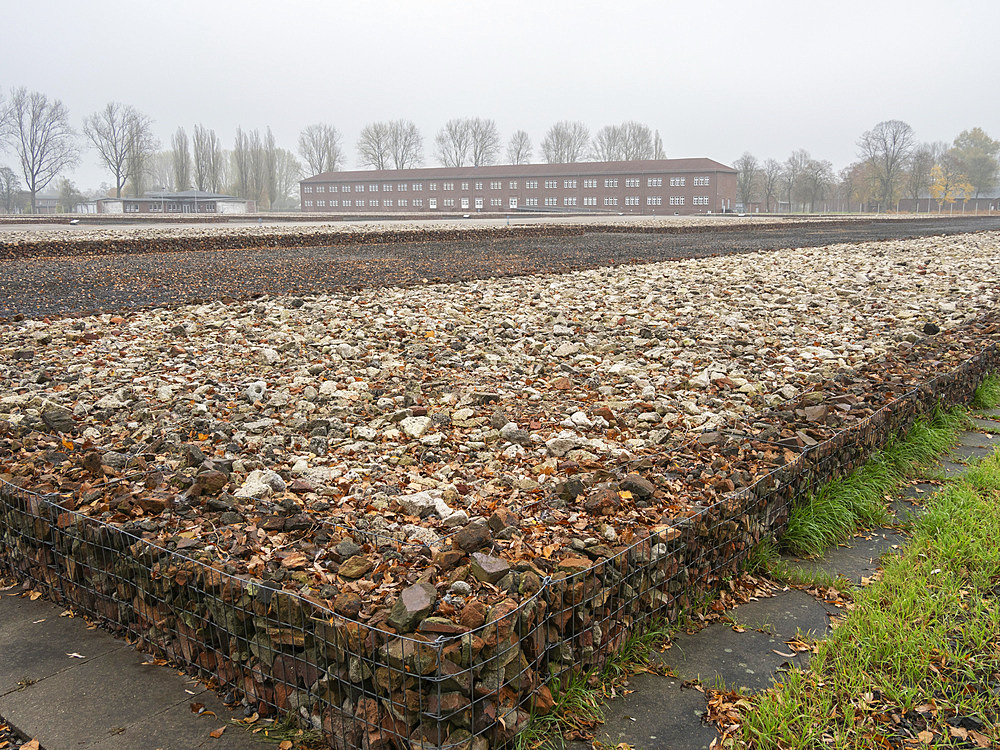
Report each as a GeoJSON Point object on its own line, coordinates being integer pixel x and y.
{"type": "Point", "coordinates": [890, 164]}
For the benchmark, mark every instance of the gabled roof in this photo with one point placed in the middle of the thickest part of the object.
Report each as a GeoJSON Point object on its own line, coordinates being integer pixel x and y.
{"type": "Point", "coordinates": [503, 171]}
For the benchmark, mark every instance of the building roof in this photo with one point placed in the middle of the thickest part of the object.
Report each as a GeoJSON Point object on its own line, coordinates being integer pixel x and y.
{"type": "Point", "coordinates": [528, 170]}
{"type": "Point", "coordinates": [178, 196]}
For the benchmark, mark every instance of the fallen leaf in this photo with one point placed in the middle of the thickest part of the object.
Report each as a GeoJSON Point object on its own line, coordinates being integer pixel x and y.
{"type": "Point", "coordinates": [926, 737]}
{"type": "Point", "coordinates": [980, 739]}
{"type": "Point", "coordinates": [285, 745]}
{"type": "Point", "coordinates": [75, 655]}
{"type": "Point", "coordinates": [31, 745]}
{"type": "Point", "coordinates": [216, 733]}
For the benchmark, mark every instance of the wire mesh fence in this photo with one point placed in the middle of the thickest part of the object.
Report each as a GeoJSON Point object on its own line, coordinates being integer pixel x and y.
{"type": "Point", "coordinates": [444, 685]}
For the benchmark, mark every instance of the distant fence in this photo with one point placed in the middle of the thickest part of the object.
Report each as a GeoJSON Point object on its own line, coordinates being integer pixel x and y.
{"type": "Point", "coordinates": [444, 686]}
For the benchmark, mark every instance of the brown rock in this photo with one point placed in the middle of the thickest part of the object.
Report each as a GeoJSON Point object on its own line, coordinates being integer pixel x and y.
{"type": "Point", "coordinates": [487, 568]}
{"type": "Point", "coordinates": [355, 567]}
{"type": "Point", "coordinates": [472, 537]}
{"type": "Point", "coordinates": [448, 559]}
{"type": "Point", "coordinates": [212, 481]}
{"type": "Point", "coordinates": [473, 614]}
{"type": "Point", "coordinates": [638, 486]}
{"type": "Point", "coordinates": [413, 605]}
{"type": "Point", "coordinates": [347, 604]}
{"type": "Point", "coordinates": [602, 500]}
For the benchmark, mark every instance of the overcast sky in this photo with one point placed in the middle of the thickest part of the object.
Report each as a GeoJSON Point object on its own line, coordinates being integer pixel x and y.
{"type": "Point", "coordinates": [715, 80]}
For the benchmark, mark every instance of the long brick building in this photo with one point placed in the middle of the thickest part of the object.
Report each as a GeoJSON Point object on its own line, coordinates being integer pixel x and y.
{"type": "Point", "coordinates": [660, 186]}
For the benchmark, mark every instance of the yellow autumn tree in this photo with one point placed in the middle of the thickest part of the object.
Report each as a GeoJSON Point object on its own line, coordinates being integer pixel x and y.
{"type": "Point", "coordinates": [948, 183]}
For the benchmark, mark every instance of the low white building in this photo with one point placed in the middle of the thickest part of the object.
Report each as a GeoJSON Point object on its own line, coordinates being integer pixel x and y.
{"type": "Point", "coordinates": [183, 202]}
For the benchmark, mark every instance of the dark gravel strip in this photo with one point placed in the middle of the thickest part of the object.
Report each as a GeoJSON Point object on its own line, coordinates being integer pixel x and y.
{"type": "Point", "coordinates": [11, 736]}
{"type": "Point", "coordinates": [57, 286]}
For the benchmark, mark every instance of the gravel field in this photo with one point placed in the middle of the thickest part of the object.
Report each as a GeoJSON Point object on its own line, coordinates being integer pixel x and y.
{"type": "Point", "coordinates": [36, 287]}
{"type": "Point", "coordinates": [531, 417]}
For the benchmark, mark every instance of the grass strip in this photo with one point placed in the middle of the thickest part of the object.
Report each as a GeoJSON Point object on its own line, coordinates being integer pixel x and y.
{"type": "Point", "coordinates": [917, 661]}
{"type": "Point", "coordinates": [841, 507]}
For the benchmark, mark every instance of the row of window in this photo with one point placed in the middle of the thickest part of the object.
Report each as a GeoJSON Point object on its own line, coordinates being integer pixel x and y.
{"type": "Point", "coordinates": [630, 200]}
{"type": "Point", "coordinates": [630, 182]}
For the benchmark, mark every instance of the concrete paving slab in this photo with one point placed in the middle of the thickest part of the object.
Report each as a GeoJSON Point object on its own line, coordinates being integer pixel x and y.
{"type": "Point", "coordinates": [979, 439]}
{"type": "Point", "coordinates": [966, 453]}
{"type": "Point", "coordinates": [660, 713]}
{"type": "Point", "coordinates": [990, 412]}
{"type": "Point", "coordinates": [749, 659]}
{"type": "Point", "coordinates": [786, 615]}
{"type": "Point", "coordinates": [856, 560]}
{"type": "Point", "coordinates": [92, 701]}
{"type": "Point", "coordinates": [949, 469]}
{"type": "Point", "coordinates": [36, 642]}
{"type": "Point", "coordinates": [986, 424]}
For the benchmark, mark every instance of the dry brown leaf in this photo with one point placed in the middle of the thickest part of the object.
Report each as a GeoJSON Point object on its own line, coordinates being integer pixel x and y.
{"type": "Point", "coordinates": [216, 733]}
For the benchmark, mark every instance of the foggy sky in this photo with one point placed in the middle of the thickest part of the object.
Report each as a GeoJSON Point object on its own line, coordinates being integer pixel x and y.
{"type": "Point", "coordinates": [716, 80]}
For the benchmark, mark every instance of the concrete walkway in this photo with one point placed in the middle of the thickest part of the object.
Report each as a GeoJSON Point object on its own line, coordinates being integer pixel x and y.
{"type": "Point", "coordinates": [74, 687]}
{"type": "Point", "coordinates": [666, 713]}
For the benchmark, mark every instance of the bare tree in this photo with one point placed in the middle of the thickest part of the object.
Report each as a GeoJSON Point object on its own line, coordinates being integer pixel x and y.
{"type": "Point", "coordinates": [113, 131]}
{"type": "Point", "coordinates": [917, 178]}
{"type": "Point", "coordinates": [658, 152]}
{"type": "Point", "coordinates": [375, 145]}
{"type": "Point", "coordinates": [406, 145]}
{"type": "Point", "coordinates": [43, 139]}
{"type": "Point", "coordinates": [565, 142]}
{"type": "Point", "coordinates": [454, 142]}
{"type": "Point", "coordinates": [319, 145]}
{"type": "Point", "coordinates": [485, 137]}
{"type": "Point", "coordinates": [815, 181]}
{"type": "Point", "coordinates": [181, 159]}
{"type": "Point", "coordinates": [886, 147]}
{"type": "Point", "coordinates": [208, 161]}
{"type": "Point", "coordinates": [143, 158]}
{"type": "Point", "coordinates": [770, 181]}
{"type": "Point", "coordinates": [249, 168]}
{"type": "Point", "coordinates": [519, 148]}
{"type": "Point", "coordinates": [69, 195]}
{"type": "Point", "coordinates": [747, 173]}
{"type": "Point", "coordinates": [794, 166]}
{"type": "Point", "coordinates": [10, 187]}
{"type": "Point", "coordinates": [607, 144]}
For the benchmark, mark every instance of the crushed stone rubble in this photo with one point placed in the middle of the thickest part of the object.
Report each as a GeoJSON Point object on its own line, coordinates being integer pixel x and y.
{"type": "Point", "coordinates": [458, 442]}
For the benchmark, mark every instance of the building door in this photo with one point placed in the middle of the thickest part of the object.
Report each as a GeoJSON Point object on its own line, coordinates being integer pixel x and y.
{"type": "Point", "coordinates": [479, 204]}
{"type": "Point", "coordinates": [432, 203]}
{"type": "Point", "coordinates": [513, 202]}
{"type": "Point", "coordinates": [465, 202]}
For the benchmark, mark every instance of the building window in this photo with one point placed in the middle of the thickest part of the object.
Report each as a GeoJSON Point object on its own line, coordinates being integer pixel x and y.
{"type": "Point", "coordinates": [372, 204]}
{"type": "Point", "coordinates": [676, 200]}
{"type": "Point", "coordinates": [610, 201]}
{"type": "Point", "coordinates": [402, 187]}
{"type": "Point", "coordinates": [359, 203]}
{"type": "Point", "coordinates": [386, 188]}
{"type": "Point", "coordinates": [531, 201]}
{"type": "Point", "coordinates": [331, 188]}
{"type": "Point", "coordinates": [320, 204]}
{"type": "Point", "coordinates": [570, 184]}
{"type": "Point", "coordinates": [433, 186]}
{"type": "Point", "coordinates": [654, 200]}
{"type": "Point", "coordinates": [569, 201]}
{"type": "Point", "coordinates": [699, 200]}
{"type": "Point", "coordinates": [347, 188]}
{"type": "Point", "coordinates": [418, 201]}
{"type": "Point", "coordinates": [496, 202]}
{"type": "Point", "coordinates": [631, 200]}
{"type": "Point", "coordinates": [387, 204]}
{"type": "Point", "coordinates": [335, 204]}
{"type": "Point", "coordinates": [309, 204]}
{"type": "Point", "coordinates": [513, 186]}
{"type": "Point", "coordinates": [591, 183]}
{"type": "Point", "coordinates": [495, 185]}
{"type": "Point", "coordinates": [590, 201]}
{"type": "Point", "coordinates": [448, 186]}
{"type": "Point", "coordinates": [677, 181]}
{"type": "Point", "coordinates": [531, 184]}
{"type": "Point", "coordinates": [701, 181]}
{"type": "Point", "coordinates": [551, 184]}
{"type": "Point", "coordinates": [631, 182]}
{"type": "Point", "coordinates": [479, 186]}
{"type": "Point", "coordinates": [373, 188]}
{"type": "Point", "coordinates": [418, 186]}
{"type": "Point", "coordinates": [319, 188]}
{"type": "Point", "coordinates": [402, 202]}
{"type": "Point", "coordinates": [465, 186]}
{"type": "Point", "coordinates": [307, 189]}
{"type": "Point", "coordinates": [611, 183]}
{"type": "Point", "coordinates": [449, 202]}
{"type": "Point", "coordinates": [551, 201]}
{"type": "Point", "coordinates": [361, 188]}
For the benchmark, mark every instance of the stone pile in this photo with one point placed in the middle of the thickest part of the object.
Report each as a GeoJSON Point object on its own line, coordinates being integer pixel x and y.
{"type": "Point", "coordinates": [523, 454]}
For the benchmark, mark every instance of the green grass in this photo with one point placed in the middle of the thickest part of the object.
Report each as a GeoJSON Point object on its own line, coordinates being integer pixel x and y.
{"type": "Point", "coordinates": [987, 395]}
{"type": "Point", "coordinates": [927, 633]}
{"type": "Point", "coordinates": [841, 507]}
